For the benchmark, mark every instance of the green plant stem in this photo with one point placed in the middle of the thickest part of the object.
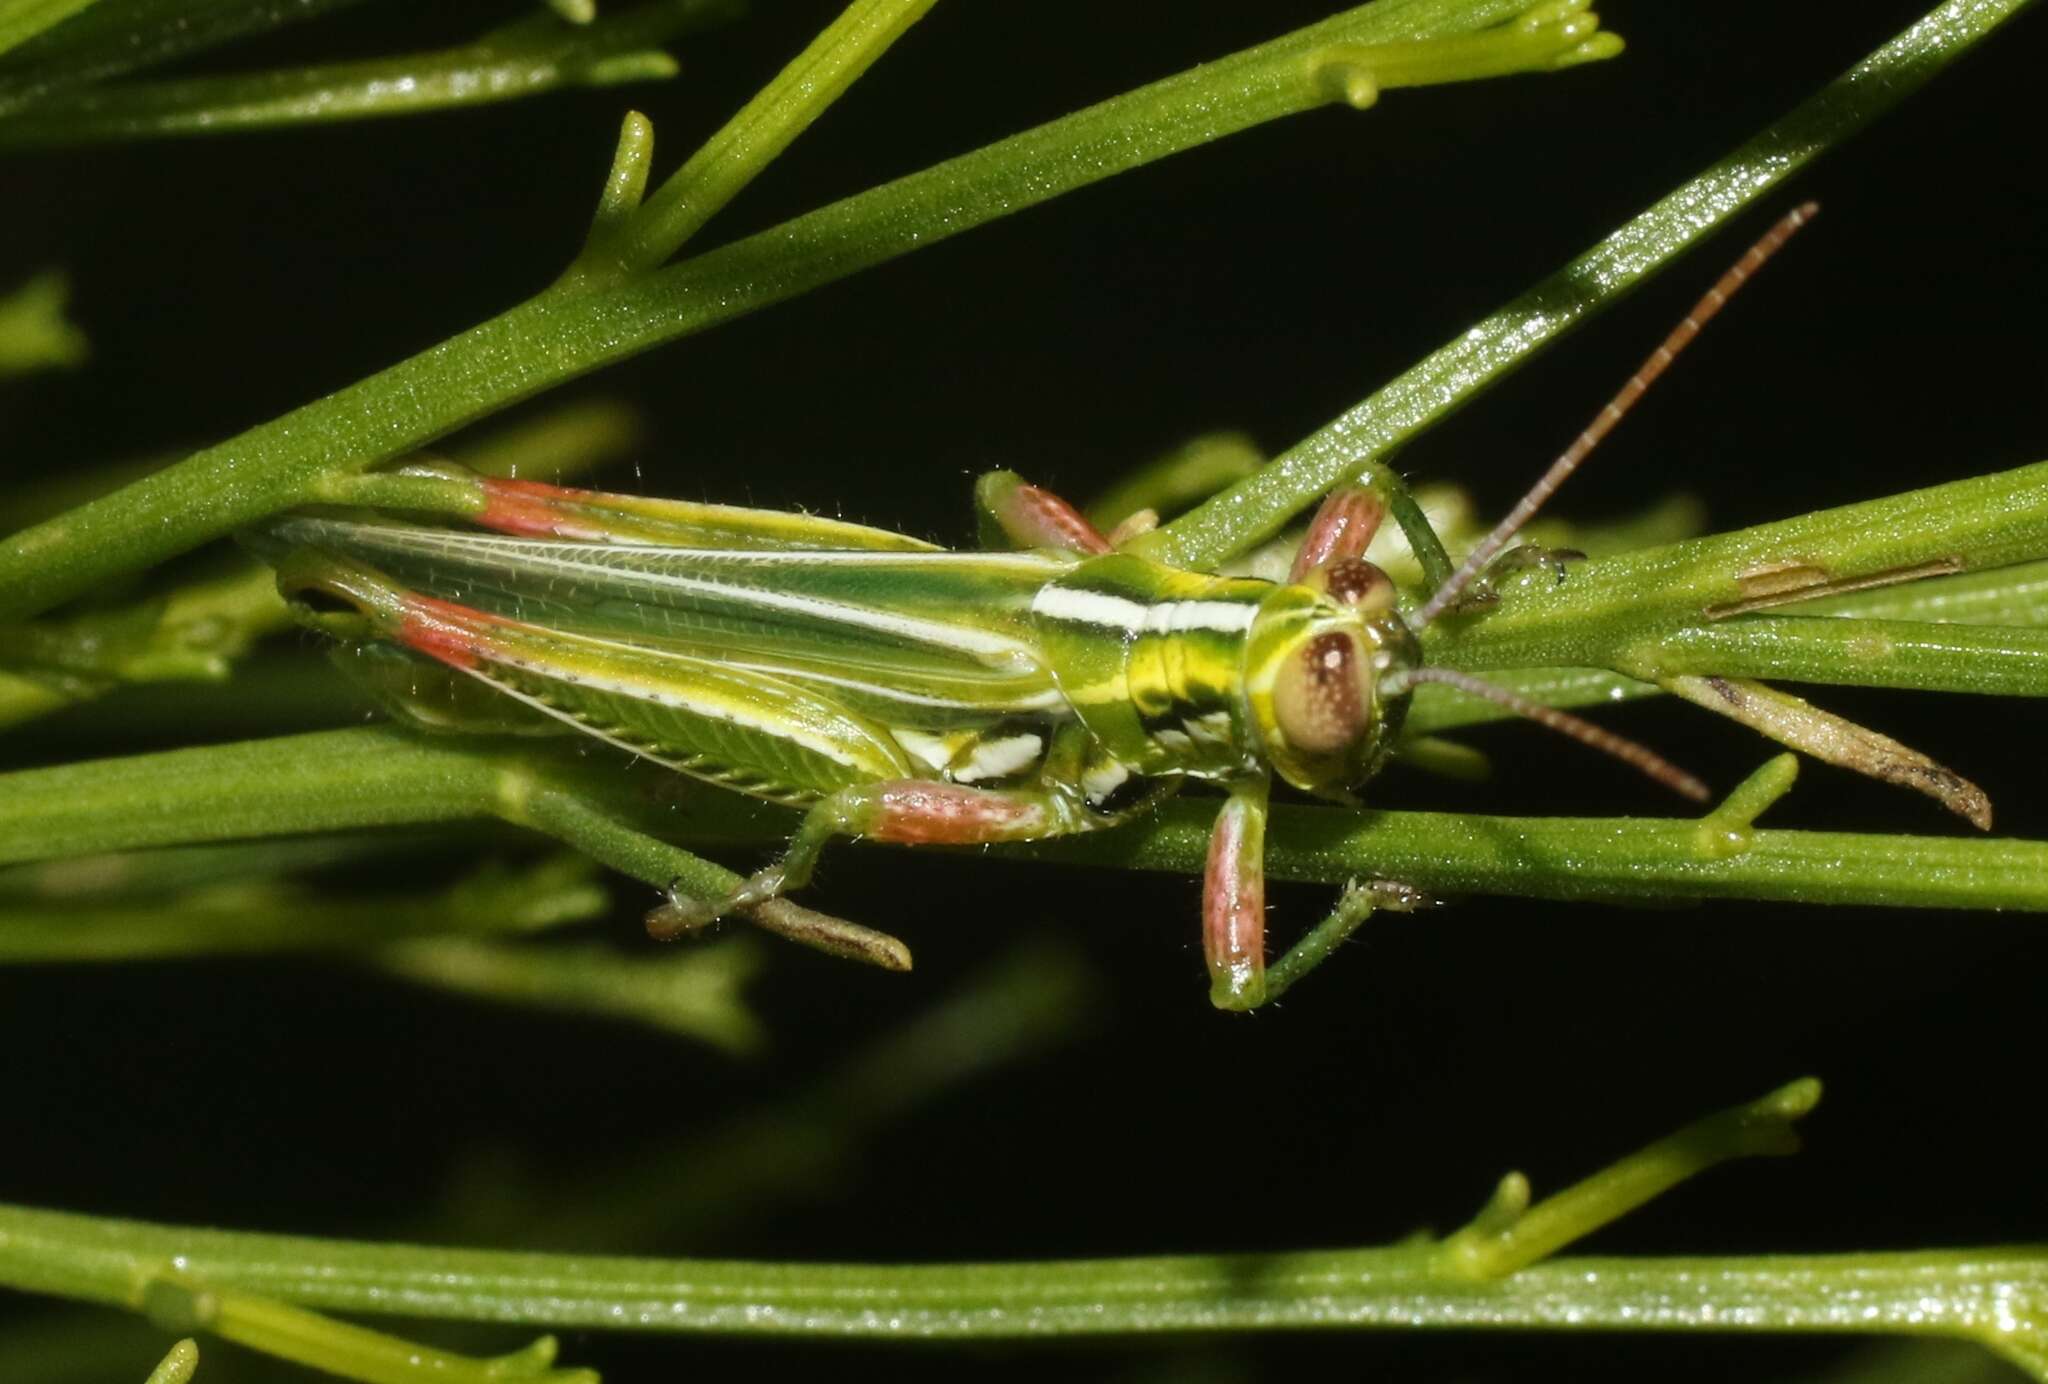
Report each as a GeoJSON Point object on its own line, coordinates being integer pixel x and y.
{"type": "Point", "coordinates": [106, 40]}
{"type": "Point", "coordinates": [198, 632]}
{"type": "Point", "coordinates": [34, 334]}
{"type": "Point", "coordinates": [1257, 508]}
{"type": "Point", "coordinates": [760, 1158]}
{"type": "Point", "coordinates": [177, 1365]}
{"type": "Point", "coordinates": [295, 460]}
{"type": "Point", "coordinates": [1618, 611]}
{"type": "Point", "coordinates": [380, 776]}
{"type": "Point", "coordinates": [523, 59]}
{"type": "Point", "coordinates": [750, 141]}
{"type": "Point", "coordinates": [1990, 1294]}
{"type": "Point", "coordinates": [1438, 709]}
{"type": "Point", "coordinates": [22, 20]}
{"type": "Point", "coordinates": [1592, 859]}
{"type": "Point", "coordinates": [1865, 653]}
{"type": "Point", "coordinates": [266, 916]}
{"type": "Point", "coordinates": [193, 633]}
{"type": "Point", "coordinates": [1951, 608]}
{"type": "Point", "coordinates": [1482, 1276]}
{"type": "Point", "coordinates": [693, 992]}
{"type": "Point", "coordinates": [339, 781]}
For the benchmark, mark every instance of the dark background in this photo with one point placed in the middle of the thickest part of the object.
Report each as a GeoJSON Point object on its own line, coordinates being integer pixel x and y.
{"type": "Point", "coordinates": [1265, 283]}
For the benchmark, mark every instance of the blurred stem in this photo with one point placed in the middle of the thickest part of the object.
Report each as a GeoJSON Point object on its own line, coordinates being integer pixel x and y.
{"type": "Point", "coordinates": [264, 915]}
{"type": "Point", "coordinates": [34, 334]}
{"type": "Point", "coordinates": [1258, 507]}
{"type": "Point", "coordinates": [193, 634]}
{"type": "Point", "coordinates": [693, 992]}
{"type": "Point", "coordinates": [134, 876]}
{"type": "Point", "coordinates": [1492, 1274]}
{"type": "Point", "coordinates": [521, 59]}
{"type": "Point", "coordinates": [22, 20]}
{"type": "Point", "coordinates": [292, 460]}
{"type": "Point", "coordinates": [761, 1158]}
{"type": "Point", "coordinates": [558, 444]}
{"type": "Point", "coordinates": [105, 40]}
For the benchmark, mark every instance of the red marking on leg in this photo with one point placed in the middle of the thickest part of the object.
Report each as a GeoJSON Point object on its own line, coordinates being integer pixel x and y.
{"type": "Point", "coordinates": [1042, 519]}
{"type": "Point", "coordinates": [445, 631]}
{"type": "Point", "coordinates": [1233, 912]}
{"type": "Point", "coordinates": [915, 812]}
{"type": "Point", "coordinates": [535, 509]}
{"type": "Point", "coordinates": [1343, 527]}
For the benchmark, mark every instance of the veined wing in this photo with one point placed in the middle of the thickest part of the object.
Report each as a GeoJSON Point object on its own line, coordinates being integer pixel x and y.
{"type": "Point", "coordinates": [921, 638]}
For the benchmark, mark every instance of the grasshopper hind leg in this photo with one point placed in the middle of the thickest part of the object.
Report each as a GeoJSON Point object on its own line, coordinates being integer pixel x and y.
{"type": "Point", "coordinates": [1010, 512]}
{"type": "Point", "coordinates": [911, 812]}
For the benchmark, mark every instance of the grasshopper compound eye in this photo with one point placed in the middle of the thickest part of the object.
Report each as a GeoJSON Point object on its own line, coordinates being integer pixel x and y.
{"type": "Point", "coordinates": [1322, 695]}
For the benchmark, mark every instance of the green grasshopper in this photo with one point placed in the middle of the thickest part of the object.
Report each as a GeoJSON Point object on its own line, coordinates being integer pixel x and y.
{"type": "Point", "coordinates": [904, 693]}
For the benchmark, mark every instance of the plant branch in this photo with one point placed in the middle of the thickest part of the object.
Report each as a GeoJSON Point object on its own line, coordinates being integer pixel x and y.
{"type": "Point", "coordinates": [1953, 615]}
{"type": "Point", "coordinates": [1617, 612]}
{"type": "Point", "coordinates": [336, 780]}
{"type": "Point", "coordinates": [1257, 508]}
{"type": "Point", "coordinates": [297, 459]}
{"type": "Point", "coordinates": [105, 40]}
{"type": "Point", "coordinates": [1479, 1277]}
{"type": "Point", "coordinates": [622, 246]}
{"type": "Point", "coordinates": [521, 59]}
{"type": "Point", "coordinates": [256, 916]}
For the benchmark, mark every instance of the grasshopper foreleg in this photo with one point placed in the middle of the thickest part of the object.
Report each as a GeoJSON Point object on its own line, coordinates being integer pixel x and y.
{"type": "Point", "coordinates": [1343, 527]}
{"type": "Point", "coordinates": [1234, 899]}
{"type": "Point", "coordinates": [1234, 909]}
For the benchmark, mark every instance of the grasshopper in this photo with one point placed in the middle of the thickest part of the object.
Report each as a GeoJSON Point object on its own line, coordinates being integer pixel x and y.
{"type": "Point", "coordinates": [1048, 685]}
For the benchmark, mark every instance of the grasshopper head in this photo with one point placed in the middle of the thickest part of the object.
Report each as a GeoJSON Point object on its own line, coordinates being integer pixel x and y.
{"type": "Point", "coordinates": [1316, 673]}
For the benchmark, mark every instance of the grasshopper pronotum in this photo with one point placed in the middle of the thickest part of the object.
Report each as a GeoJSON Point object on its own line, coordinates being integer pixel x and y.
{"type": "Point", "coordinates": [905, 693]}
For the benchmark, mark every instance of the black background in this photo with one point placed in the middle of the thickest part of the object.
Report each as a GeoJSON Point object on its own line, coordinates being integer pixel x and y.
{"type": "Point", "coordinates": [1265, 283]}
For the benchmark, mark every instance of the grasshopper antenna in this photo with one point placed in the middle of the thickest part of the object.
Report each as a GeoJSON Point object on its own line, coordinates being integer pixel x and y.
{"type": "Point", "coordinates": [1638, 384]}
{"type": "Point", "coordinates": [1637, 756]}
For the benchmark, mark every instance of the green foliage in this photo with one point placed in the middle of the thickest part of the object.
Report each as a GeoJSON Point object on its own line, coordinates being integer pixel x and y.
{"type": "Point", "coordinates": [237, 848]}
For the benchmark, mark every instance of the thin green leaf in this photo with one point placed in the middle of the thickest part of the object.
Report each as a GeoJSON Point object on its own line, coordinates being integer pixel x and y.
{"type": "Point", "coordinates": [296, 459]}
{"type": "Point", "coordinates": [629, 240]}
{"type": "Point", "coordinates": [1626, 612]}
{"type": "Point", "coordinates": [520, 60]}
{"type": "Point", "coordinates": [22, 20]}
{"type": "Point", "coordinates": [102, 41]}
{"type": "Point", "coordinates": [1260, 506]}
